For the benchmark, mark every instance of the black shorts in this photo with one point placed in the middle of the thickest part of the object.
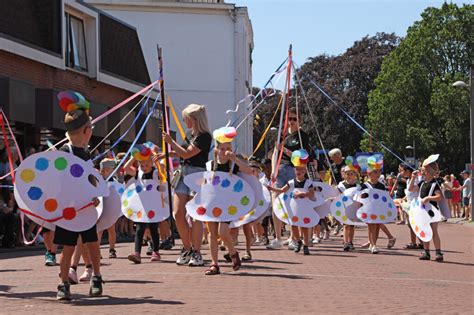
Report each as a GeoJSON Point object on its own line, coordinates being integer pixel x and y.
{"type": "Point", "coordinates": [69, 238]}
{"type": "Point", "coordinates": [465, 201]}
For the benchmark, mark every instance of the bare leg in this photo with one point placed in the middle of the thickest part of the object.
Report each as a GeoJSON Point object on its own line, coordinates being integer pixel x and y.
{"type": "Point", "coordinates": [94, 252]}
{"type": "Point", "coordinates": [248, 236]}
{"type": "Point", "coordinates": [213, 243]}
{"type": "Point", "coordinates": [385, 230]}
{"type": "Point", "coordinates": [196, 233]}
{"type": "Point", "coordinates": [234, 232]}
{"type": "Point", "coordinates": [48, 238]}
{"type": "Point", "coordinates": [295, 233]}
{"type": "Point", "coordinates": [277, 224]}
{"type": "Point", "coordinates": [306, 236]}
{"type": "Point", "coordinates": [224, 233]}
{"type": "Point", "coordinates": [436, 238]}
{"type": "Point", "coordinates": [165, 230]}
{"type": "Point", "coordinates": [112, 236]}
{"type": "Point", "coordinates": [65, 263]}
{"type": "Point", "coordinates": [179, 202]}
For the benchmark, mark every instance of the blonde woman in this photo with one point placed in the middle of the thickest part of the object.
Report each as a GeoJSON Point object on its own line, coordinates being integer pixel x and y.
{"type": "Point", "coordinates": [194, 155]}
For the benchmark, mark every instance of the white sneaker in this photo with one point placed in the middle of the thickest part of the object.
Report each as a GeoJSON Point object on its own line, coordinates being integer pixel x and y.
{"type": "Point", "coordinates": [316, 240]}
{"type": "Point", "coordinates": [286, 242]}
{"type": "Point", "coordinates": [72, 275]}
{"type": "Point", "coordinates": [292, 245]}
{"type": "Point", "coordinates": [374, 250]}
{"type": "Point", "coordinates": [184, 258]}
{"type": "Point", "coordinates": [87, 275]}
{"type": "Point", "coordinates": [275, 244]}
{"type": "Point", "coordinates": [196, 260]}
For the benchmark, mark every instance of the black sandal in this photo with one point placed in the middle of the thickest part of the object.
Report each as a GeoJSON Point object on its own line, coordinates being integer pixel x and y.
{"type": "Point", "coordinates": [213, 270]}
{"type": "Point", "coordinates": [236, 263]}
{"type": "Point", "coordinates": [411, 246]}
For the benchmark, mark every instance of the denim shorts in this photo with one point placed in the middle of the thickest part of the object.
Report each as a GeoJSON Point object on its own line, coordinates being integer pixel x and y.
{"type": "Point", "coordinates": [285, 174]}
{"type": "Point", "coordinates": [181, 187]}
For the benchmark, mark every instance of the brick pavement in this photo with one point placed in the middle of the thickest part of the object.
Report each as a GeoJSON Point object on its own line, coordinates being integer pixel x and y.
{"type": "Point", "coordinates": [277, 282]}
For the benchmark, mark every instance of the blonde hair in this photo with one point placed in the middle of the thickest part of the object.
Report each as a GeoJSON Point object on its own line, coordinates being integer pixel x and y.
{"type": "Point", "coordinates": [335, 152]}
{"type": "Point", "coordinates": [432, 169]}
{"type": "Point", "coordinates": [198, 113]}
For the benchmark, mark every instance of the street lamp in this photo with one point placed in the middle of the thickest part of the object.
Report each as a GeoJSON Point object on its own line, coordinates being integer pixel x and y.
{"type": "Point", "coordinates": [462, 84]}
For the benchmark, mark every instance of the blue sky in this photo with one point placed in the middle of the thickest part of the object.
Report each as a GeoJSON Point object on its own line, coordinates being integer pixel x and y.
{"type": "Point", "coordinates": [322, 26]}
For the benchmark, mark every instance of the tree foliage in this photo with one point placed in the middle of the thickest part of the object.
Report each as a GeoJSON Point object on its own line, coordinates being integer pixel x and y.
{"type": "Point", "coordinates": [414, 99]}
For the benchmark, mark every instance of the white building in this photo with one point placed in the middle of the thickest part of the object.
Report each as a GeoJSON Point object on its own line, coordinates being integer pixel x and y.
{"type": "Point", "coordinates": [207, 47]}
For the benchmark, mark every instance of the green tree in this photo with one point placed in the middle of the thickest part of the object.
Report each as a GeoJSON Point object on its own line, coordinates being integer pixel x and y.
{"type": "Point", "coordinates": [414, 99]}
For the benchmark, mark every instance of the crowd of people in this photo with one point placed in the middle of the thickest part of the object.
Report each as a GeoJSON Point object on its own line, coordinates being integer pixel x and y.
{"type": "Point", "coordinates": [297, 171]}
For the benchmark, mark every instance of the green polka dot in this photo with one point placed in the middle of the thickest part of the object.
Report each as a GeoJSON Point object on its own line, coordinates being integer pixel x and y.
{"type": "Point", "coordinates": [389, 213]}
{"type": "Point", "coordinates": [280, 206]}
{"type": "Point", "coordinates": [338, 213]}
{"type": "Point", "coordinates": [60, 164]}
{"type": "Point", "coordinates": [261, 202]}
{"type": "Point", "coordinates": [245, 200]}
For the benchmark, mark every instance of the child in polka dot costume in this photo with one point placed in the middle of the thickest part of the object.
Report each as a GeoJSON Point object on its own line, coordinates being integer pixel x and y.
{"type": "Point", "coordinates": [225, 160]}
{"type": "Point", "coordinates": [299, 158]}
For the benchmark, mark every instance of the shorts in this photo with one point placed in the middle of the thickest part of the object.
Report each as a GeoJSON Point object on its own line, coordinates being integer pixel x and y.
{"type": "Point", "coordinates": [285, 174]}
{"type": "Point", "coordinates": [181, 187]}
{"type": "Point", "coordinates": [465, 201]}
{"type": "Point", "coordinates": [69, 238]}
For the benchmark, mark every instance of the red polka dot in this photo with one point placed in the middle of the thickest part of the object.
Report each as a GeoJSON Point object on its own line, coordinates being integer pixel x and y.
{"type": "Point", "coordinates": [151, 214]}
{"type": "Point", "coordinates": [69, 213]}
{"type": "Point", "coordinates": [201, 211]}
{"type": "Point", "coordinates": [422, 234]}
{"type": "Point", "coordinates": [295, 219]}
{"type": "Point", "coordinates": [306, 220]}
{"type": "Point", "coordinates": [373, 216]}
{"type": "Point", "coordinates": [364, 215]}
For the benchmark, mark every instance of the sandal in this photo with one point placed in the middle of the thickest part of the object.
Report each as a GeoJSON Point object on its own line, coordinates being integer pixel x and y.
{"type": "Point", "coordinates": [411, 246]}
{"type": "Point", "coordinates": [213, 270]}
{"type": "Point", "coordinates": [236, 263]}
{"type": "Point", "coordinates": [227, 257]}
{"type": "Point", "coordinates": [247, 257]}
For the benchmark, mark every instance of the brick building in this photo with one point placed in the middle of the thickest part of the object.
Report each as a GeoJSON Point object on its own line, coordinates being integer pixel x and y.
{"type": "Point", "coordinates": [51, 45]}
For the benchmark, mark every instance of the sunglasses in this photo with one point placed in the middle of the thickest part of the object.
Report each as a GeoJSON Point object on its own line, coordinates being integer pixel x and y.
{"type": "Point", "coordinates": [292, 119]}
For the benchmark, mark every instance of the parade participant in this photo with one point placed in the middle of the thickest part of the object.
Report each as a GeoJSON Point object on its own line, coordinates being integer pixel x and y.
{"type": "Point", "coordinates": [226, 161]}
{"type": "Point", "coordinates": [143, 156]}
{"type": "Point", "coordinates": [351, 175]}
{"type": "Point", "coordinates": [79, 131]}
{"type": "Point", "coordinates": [194, 155]}
{"type": "Point", "coordinates": [296, 139]}
{"type": "Point", "coordinates": [405, 202]}
{"type": "Point", "coordinates": [306, 190]}
{"type": "Point", "coordinates": [429, 191]}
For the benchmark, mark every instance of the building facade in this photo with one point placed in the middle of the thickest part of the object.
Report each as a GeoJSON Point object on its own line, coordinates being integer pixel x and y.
{"type": "Point", "coordinates": [207, 50]}
{"type": "Point", "coordinates": [51, 45]}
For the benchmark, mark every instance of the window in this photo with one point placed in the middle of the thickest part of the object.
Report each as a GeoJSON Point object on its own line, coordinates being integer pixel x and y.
{"type": "Point", "coordinates": [76, 56]}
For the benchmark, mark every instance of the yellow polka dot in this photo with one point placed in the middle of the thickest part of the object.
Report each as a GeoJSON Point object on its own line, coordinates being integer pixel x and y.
{"type": "Point", "coordinates": [125, 203]}
{"type": "Point", "coordinates": [232, 210]}
{"type": "Point", "coordinates": [252, 212]}
{"type": "Point", "coordinates": [27, 175]}
{"type": "Point", "coordinates": [285, 216]}
{"type": "Point", "coordinates": [129, 213]}
{"type": "Point", "coordinates": [382, 217]}
{"type": "Point", "coordinates": [344, 218]}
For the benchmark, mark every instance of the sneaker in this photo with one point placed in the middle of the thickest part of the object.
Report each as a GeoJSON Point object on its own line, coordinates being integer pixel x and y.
{"type": "Point", "coordinates": [391, 242]}
{"type": "Point", "coordinates": [135, 258]}
{"type": "Point", "coordinates": [247, 256]}
{"type": "Point", "coordinates": [112, 253]}
{"type": "Point", "coordinates": [305, 250]}
{"type": "Point", "coordinates": [236, 263]}
{"type": "Point", "coordinates": [351, 246]}
{"type": "Point", "coordinates": [64, 292]}
{"type": "Point", "coordinates": [149, 250]}
{"type": "Point", "coordinates": [72, 275]}
{"type": "Point", "coordinates": [196, 260]}
{"type": "Point", "coordinates": [96, 286]}
{"type": "Point", "coordinates": [167, 244]}
{"type": "Point", "coordinates": [346, 247]}
{"type": "Point", "coordinates": [316, 240]}
{"type": "Point", "coordinates": [374, 250]}
{"type": "Point", "coordinates": [326, 235]}
{"type": "Point", "coordinates": [298, 246]}
{"type": "Point", "coordinates": [275, 244]}
{"type": "Point", "coordinates": [155, 256]}
{"type": "Point", "coordinates": [425, 256]}
{"type": "Point", "coordinates": [49, 259]}
{"type": "Point", "coordinates": [287, 241]}
{"type": "Point", "coordinates": [292, 245]}
{"type": "Point", "coordinates": [264, 240]}
{"type": "Point", "coordinates": [439, 256]}
{"type": "Point", "coordinates": [227, 257]}
{"type": "Point", "coordinates": [365, 245]}
{"type": "Point", "coordinates": [86, 276]}
{"type": "Point", "coordinates": [184, 258]}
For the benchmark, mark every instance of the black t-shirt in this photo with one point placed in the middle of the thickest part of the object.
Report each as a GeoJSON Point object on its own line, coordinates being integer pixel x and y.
{"type": "Point", "coordinates": [148, 175]}
{"type": "Point", "coordinates": [337, 170]}
{"type": "Point", "coordinates": [425, 188]}
{"type": "Point", "coordinates": [347, 185]}
{"type": "Point", "coordinates": [300, 184]}
{"type": "Point", "coordinates": [292, 143]}
{"type": "Point", "coordinates": [225, 167]}
{"type": "Point", "coordinates": [378, 185]}
{"type": "Point", "coordinates": [203, 142]}
{"type": "Point", "coordinates": [401, 186]}
{"type": "Point", "coordinates": [79, 152]}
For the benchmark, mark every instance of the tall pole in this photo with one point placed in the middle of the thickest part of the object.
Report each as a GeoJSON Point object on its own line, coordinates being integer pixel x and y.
{"type": "Point", "coordinates": [471, 167]}
{"type": "Point", "coordinates": [166, 130]}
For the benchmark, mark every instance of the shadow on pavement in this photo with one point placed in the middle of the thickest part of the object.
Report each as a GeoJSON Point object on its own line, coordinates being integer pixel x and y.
{"type": "Point", "coordinates": [272, 275]}
{"type": "Point", "coordinates": [256, 267]}
{"type": "Point", "coordinates": [132, 281]}
{"type": "Point", "coordinates": [14, 270]}
{"type": "Point", "coordinates": [457, 263]}
{"type": "Point", "coordinates": [5, 288]}
{"type": "Point", "coordinates": [275, 262]}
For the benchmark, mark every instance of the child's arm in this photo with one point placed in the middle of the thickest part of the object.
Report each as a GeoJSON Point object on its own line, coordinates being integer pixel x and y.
{"type": "Point", "coordinates": [243, 165]}
{"type": "Point", "coordinates": [129, 169]}
{"type": "Point", "coordinates": [191, 151]}
{"type": "Point", "coordinates": [412, 186]}
{"type": "Point", "coordinates": [437, 197]}
{"type": "Point", "coordinates": [311, 193]}
{"type": "Point", "coordinates": [284, 189]}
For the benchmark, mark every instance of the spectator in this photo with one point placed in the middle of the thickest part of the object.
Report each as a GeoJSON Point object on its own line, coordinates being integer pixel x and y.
{"type": "Point", "coordinates": [335, 155]}
{"type": "Point", "coordinates": [466, 194]}
{"type": "Point", "coordinates": [456, 197]}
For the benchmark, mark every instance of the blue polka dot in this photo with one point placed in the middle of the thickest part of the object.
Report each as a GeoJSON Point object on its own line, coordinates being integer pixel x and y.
{"type": "Point", "coordinates": [345, 198]}
{"type": "Point", "coordinates": [129, 193]}
{"type": "Point", "coordinates": [384, 199]}
{"type": "Point", "coordinates": [338, 204]}
{"type": "Point", "coordinates": [376, 196]}
{"type": "Point", "coordinates": [390, 205]}
{"type": "Point", "coordinates": [139, 189]}
{"type": "Point", "coordinates": [42, 164]}
{"type": "Point", "coordinates": [149, 187]}
{"type": "Point", "coordinates": [225, 183]}
{"type": "Point", "coordinates": [285, 197]}
{"type": "Point", "coordinates": [292, 195]}
{"type": "Point", "coordinates": [238, 187]}
{"type": "Point", "coordinates": [35, 193]}
{"type": "Point", "coordinates": [121, 190]}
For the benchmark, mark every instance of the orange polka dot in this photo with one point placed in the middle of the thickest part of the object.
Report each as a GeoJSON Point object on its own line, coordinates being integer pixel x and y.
{"type": "Point", "coordinates": [417, 228]}
{"type": "Point", "coordinates": [295, 219]}
{"type": "Point", "coordinates": [216, 212]}
{"type": "Point", "coordinates": [139, 214]}
{"type": "Point", "coordinates": [373, 216]}
{"type": "Point", "coordinates": [51, 205]}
